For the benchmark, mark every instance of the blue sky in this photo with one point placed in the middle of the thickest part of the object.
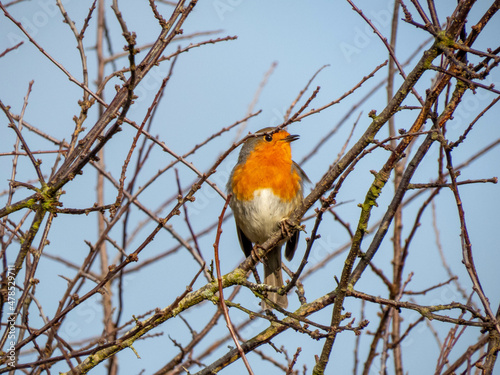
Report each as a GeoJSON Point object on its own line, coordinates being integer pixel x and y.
{"type": "Point", "coordinates": [212, 87]}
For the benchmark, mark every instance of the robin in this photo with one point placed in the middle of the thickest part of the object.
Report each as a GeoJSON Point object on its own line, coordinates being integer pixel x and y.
{"type": "Point", "coordinates": [266, 186]}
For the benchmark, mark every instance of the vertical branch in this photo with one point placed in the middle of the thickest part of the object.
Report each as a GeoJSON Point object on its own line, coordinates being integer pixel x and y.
{"type": "Point", "coordinates": [29, 289]}
{"type": "Point", "coordinates": [372, 353]}
{"type": "Point", "coordinates": [397, 262]}
{"type": "Point", "coordinates": [25, 247]}
{"type": "Point", "coordinates": [434, 16]}
{"type": "Point", "coordinates": [222, 302]}
{"type": "Point", "coordinates": [119, 197]}
{"type": "Point", "coordinates": [468, 259]}
{"type": "Point", "coordinates": [397, 199]}
{"type": "Point", "coordinates": [107, 296]}
{"type": "Point", "coordinates": [85, 103]}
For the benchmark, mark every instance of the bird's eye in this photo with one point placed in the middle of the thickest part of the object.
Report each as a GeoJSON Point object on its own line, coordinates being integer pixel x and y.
{"type": "Point", "coordinates": [268, 138]}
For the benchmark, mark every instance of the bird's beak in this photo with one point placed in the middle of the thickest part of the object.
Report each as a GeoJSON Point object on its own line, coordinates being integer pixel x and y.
{"type": "Point", "coordinates": [291, 138]}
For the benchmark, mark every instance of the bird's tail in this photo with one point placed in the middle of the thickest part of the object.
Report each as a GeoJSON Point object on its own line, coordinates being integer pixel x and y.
{"type": "Point", "coordinates": [273, 277]}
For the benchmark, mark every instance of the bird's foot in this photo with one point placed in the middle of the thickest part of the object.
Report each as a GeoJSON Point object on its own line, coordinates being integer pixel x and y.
{"type": "Point", "coordinates": [286, 225]}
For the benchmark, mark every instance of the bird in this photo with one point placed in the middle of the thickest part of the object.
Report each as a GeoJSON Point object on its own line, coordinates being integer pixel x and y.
{"type": "Point", "coordinates": [266, 185]}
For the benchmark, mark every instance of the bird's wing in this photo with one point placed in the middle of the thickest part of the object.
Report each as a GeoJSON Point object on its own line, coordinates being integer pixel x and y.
{"type": "Point", "coordinates": [291, 246]}
{"type": "Point", "coordinates": [301, 173]}
{"type": "Point", "coordinates": [245, 243]}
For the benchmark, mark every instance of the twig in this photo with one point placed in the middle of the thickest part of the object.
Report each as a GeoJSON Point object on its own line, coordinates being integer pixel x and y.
{"type": "Point", "coordinates": [301, 93]}
{"type": "Point", "coordinates": [222, 303]}
{"type": "Point", "coordinates": [427, 311]}
{"type": "Point", "coordinates": [409, 292]}
{"type": "Point", "coordinates": [421, 12]}
{"type": "Point", "coordinates": [7, 50]}
{"type": "Point", "coordinates": [84, 211]}
{"type": "Point", "coordinates": [466, 243]}
{"type": "Point", "coordinates": [119, 197]}
{"type": "Point", "coordinates": [17, 130]}
{"type": "Point", "coordinates": [431, 185]}
{"type": "Point", "coordinates": [434, 16]}
{"type": "Point", "coordinates": [389, 48]}
{"type": "Point", "coordinates": [188, 222]}
{"type": "Point", "coordinates": [62, 68]}
{"type": "Point", "coordinates": [346, 94]}
{"type": "Point", "coordinates": [256, 97]}
{"type": "Point", "coordinates": [472, 84]}
{"type": "Point", "coordinates": [293, 362]}
{"type": "Point", "coordinates": [469, 128]}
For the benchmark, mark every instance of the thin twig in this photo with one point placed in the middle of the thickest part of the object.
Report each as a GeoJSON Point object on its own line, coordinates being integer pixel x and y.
{"type": "Point", "coordinates": [222, 303]}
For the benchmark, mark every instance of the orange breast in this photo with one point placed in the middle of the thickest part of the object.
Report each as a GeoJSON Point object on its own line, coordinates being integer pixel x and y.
{"type": "Point", "coordinates": [268, 166]}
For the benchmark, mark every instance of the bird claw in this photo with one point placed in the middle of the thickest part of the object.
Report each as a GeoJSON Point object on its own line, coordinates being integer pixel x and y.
{"type": "Point", "coordinates": [255, 253]}
{"type": "Point", "coordinates": [285, 224]}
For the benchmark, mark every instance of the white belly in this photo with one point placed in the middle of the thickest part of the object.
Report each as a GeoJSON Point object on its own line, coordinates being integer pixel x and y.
{"type": "Point", "coordinates": [262, 215]}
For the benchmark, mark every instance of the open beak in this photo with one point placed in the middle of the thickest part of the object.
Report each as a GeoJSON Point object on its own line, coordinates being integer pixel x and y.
{"type": "Point", "coordinates": [291, 138]}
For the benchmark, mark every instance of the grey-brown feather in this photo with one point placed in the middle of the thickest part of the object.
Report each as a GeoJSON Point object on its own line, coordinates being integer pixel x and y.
{"type": "Point", "coordinates": [274, 277]}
